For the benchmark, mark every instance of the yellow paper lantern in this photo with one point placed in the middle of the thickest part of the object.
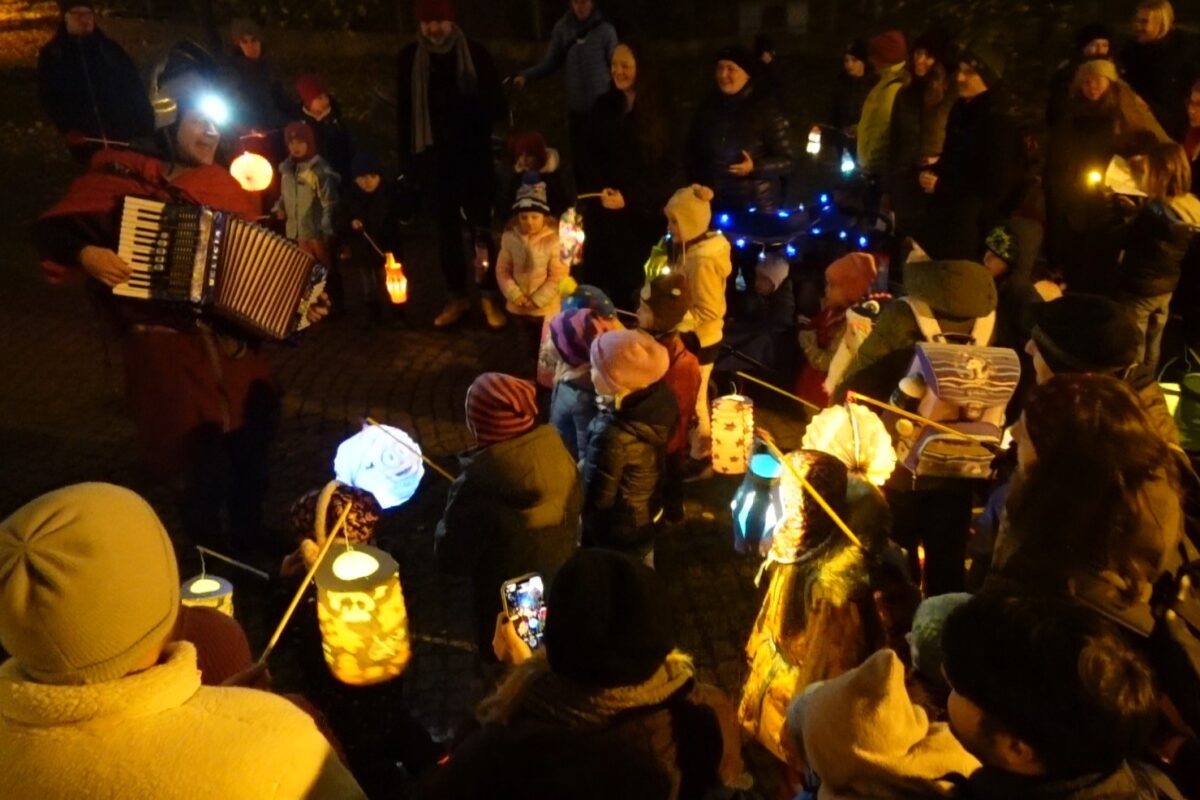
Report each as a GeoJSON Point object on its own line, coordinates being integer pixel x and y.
{"type": "Point", "coordinates": [397, 283]}
{"type": "Point", "coordinates": [732, 433]}
{"type": "Point", "coordinates": [813, 148]}
{"type": "Point", "coordinates": [208, 591]}
{"type": "Point", "coordinates": [252, 171]}
{"type": "Point", "coordinates": [364, 623]}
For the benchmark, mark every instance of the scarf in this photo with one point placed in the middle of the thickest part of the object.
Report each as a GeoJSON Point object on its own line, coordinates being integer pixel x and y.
{"type": "Point", "coordinates": [422, 137]}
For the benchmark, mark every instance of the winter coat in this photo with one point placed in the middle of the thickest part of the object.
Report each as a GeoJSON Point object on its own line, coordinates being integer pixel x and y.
{"type": "Point", "coordinates": [958, 292]}
{"type": "Point", "coordinates": [377, 212]}
{"type": "Point", "coordinates": [849, 94]}
{"type": "Point", "coordinates": [722, 128]}
{"type": "Point", "coordinates": [1127, 782]}
{"type": "Point", "coordinates": [1153, 244]}
{"type": "Point", "coordinates": [90, 85]}
{"type": "Point", "coordinates": [978, 175]}
{"type": "Point", "coordinates": [918, 132]}
{"type": "Point", "coordinates": [622, 472]}
{"type": "Point", "coordinates": [262, 102]}
{"type": "Point", "coordinates": [683, 379]}
{"type": "Point", "coordinates": [531, 267]}
{"type": "Point", "coordinates": [670, 738]}
{"type": "Point", "coordinates": [583, 50]}
{"type": "Point", "coordinates": [874, 126]}
{"type": "Point", "coordinates": [549, 174]}
{"type": "Point", "coordinates": [1162, 73]}
{"type": "Point", "coordinates": [333, 140]}
{"type": "Point", "coordinates": [706, 264]}
{"type": "Point", "coordinates": [572, 409]}
{"type": "Point", "coordinates": [512, 510]}
{"type": "Point", "coordinates": [457, 168]}
{"type": "Point", "coordinates": [159, 733]}
{"type": "Point", "coordinates": [762, 327]}
{"type": "Point", "coordinates": [308, 193]}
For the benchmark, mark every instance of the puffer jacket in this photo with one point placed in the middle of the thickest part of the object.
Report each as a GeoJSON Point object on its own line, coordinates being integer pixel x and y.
{"type": "Point", "coordinates": [723, 127]}
{"type": "Point", "coordinates": [512, 510]}
{"type": "Point", "coordinates": [705, 262]}
{"type": "Point", "coordinates": [1151, 246]}
{"type": "Point", "coordinates": [583, 48]}
{"type": "Point", "coordinates": [874, 127]}
{"type": "Point", "coordinates": [958, 292]}
{"type": "Point", "coordinates": [530, 267]}
{"type": "Point", "coordinates": [572, 409]}
{"type": "Point", "coordinates": [622, 473]}
{"type": "Point", "coordinates": [308, 194]}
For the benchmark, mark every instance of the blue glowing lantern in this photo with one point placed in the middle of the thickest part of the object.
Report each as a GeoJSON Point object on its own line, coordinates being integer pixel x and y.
{"type": "Point", "coordinates": [757, 507]}
{"type": "Point", "coordinates": [791, 251]}
{"type": "Point", "coordinates": [382, 460]}
{"type": "Point", "coordinates": [824, 199]}
{"type": "Point", "coordinates": [723, 220]}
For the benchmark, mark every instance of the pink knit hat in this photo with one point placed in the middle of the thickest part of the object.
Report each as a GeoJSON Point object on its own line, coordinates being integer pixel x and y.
{"type": "Point", "coordinates": [855, 271]}
{"type": "Point", "coordinates": [627, 361]}
{"type": "Point", "coordinates": [573, 332]}
{"type": "Point", "coordinates": [500, 407]}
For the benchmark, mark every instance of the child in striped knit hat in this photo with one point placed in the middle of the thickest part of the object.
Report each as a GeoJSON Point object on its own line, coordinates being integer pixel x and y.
{"type": "Point", "coordinates": [573, 403]}
{"type": "Point", "coordinates": [514, 507]}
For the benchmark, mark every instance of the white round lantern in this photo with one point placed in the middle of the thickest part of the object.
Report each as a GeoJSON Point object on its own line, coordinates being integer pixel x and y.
{"type": "Point", "coordinates": [208, 591]}
{"type": "Point", "coordinates": [375, 461]}
{"type": "Point", "coordinates": [732, 433]}
{"type": "Point", "coordinates": [252, 171]}
{"type": "Point", "coordinates": [857, 437]}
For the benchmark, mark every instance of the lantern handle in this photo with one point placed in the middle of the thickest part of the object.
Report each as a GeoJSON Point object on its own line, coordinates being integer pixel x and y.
{"type": "Point", "coordinates": [375, 423]}
{"type": "Point", "coordinates": [855, 397]}
{"type": "Point", "coordinates": [813, 493]}
{"type": "Point", "coordinates": [205, 551]}
{"type": "Point", "coordinates": [777, 390]}
{"type": "Point", "coordinates": [291, 609]}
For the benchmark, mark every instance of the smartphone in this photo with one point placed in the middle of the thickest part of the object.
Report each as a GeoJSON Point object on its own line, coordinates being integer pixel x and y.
{"type": "Point", "coordinates": [525, 604]}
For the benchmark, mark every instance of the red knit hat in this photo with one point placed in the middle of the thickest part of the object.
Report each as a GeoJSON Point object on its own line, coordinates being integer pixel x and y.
{"type": "Point", "coordinates": [887, 48]}
{"type": "Point", "coordinates": [301, 131]}
{"type": "Point", "coordinates": [532, 144]}
{"type": "Point", "coordinates": [435, 11]}
{"type": "Point", "coordinates": [855, 271]}
{"type": "Point", "coordinates": [310, 86]}
{"type": "Point", "coordinates": [500, 407]}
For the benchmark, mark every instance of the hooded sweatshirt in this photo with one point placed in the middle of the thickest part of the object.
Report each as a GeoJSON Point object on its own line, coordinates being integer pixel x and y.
{"type": "Point", "coordinates": [1153, 244]}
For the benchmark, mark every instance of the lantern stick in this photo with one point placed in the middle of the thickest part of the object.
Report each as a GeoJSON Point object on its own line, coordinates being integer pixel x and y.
{"type": "Point", "coordinates": [413, 450]}
{"type": "Point", "coordinates": [291, 609]}
{"type": "Point", "coordinates": [205, 551]}
{"type": "Point", "coordinates": [777, 390]}
{"type": "Point", "coordinates": [623, 313]}
{"type": "Point", "coordinates": [855, 397]}
{"type": "Point", "coordinates": [589, 195]}
{"type": "Point", "coordinates": [813, 493]}
{"type": "Point", "coordinates": [371, 242]}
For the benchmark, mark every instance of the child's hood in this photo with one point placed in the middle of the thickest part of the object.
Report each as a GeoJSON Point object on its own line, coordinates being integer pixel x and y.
{"type": "Point", "coordinates": [553, 161]}
{"type": "Point", "coordinates": [716, 249]}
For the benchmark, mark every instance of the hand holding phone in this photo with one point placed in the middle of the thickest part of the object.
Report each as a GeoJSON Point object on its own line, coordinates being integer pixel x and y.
{"type": "Point", "coordinates": [525, 606]}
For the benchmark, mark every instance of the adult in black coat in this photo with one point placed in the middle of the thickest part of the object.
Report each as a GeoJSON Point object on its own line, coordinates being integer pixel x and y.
{"type": "Point", "coordinates": [1160, 63]}
{"type": "Point", "coordinates": [851, 87]}
{"type": "Point", "coordinates": [88, 85]}
{"type": "Point", "coordinates": [629, 162]}
{"type": "Point", "coordinates": [739, 144]}
{"type": "Point", "coordinates": [974, 182]}
{"type": "Point", "coordinates": [448, 98]}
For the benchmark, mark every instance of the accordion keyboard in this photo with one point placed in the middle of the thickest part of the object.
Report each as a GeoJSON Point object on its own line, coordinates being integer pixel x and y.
{"type": "Point", "coordinates": [160, 242]}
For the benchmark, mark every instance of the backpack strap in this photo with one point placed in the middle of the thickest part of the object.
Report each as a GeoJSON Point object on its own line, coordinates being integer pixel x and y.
{"type": "Point", "coordinates": [983, 329]}
{"type": "Point", "coordinates": [926, 321]}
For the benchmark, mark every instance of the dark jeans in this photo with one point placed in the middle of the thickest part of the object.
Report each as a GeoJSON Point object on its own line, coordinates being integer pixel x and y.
{"type": "Point", "coordinates": [453, 233]}
{"type": "Point", "coordinates": [939, 519]}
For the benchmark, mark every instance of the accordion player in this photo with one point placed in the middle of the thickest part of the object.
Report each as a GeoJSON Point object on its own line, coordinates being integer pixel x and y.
{"type": "Point", "coordinates": [217, 262]}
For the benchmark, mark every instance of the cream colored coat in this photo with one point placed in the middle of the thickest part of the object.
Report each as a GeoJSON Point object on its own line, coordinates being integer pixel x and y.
{"type": "Point", "coordinates": [531, 267]}
{"type": "Point", "coordinates": [159, 734]}
{"type": "Point", "coordinates": [707, 266]}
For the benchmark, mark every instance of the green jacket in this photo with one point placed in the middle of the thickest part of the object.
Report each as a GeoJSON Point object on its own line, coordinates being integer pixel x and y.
{"type": "Point", "coordinates": [874, 127]}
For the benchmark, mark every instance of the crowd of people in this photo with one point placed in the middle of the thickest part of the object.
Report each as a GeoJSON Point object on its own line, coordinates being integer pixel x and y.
{"type": "Point", "coordinates": [907, 645]}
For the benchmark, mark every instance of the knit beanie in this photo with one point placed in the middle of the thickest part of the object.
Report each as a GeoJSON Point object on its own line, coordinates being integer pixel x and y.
{"type": "Point", "coordinates": [987, 61]}
{"type": "Point", "coordinates": [302, 132]}
{"type": "Point", "coordinates": [365, 163]}
{"type": "Point", "coordinates": [587, 296]}
{"type": "Point", "coordinates": [738, 55]}
{"type": "Point", "coordinates": [1090, 33]}
{"type": "Point", "coordinates": [624, 362]}
{"type": "Point", "coordinates": [500, 407]}
{"type": "Point", "coordinates": [1085, 333]}
{"type": "Point", "coordinates": [855, 271]}
{"type": "Point", "coordinates": [573, 331]}
{"type": "Point", "coordinates": [310, 86]}
{"type": "Point", "coordinates": [531, 144]}
{"type": "Point", "coordinates": [668, 301]}
{"type": "Point", "coordinates": [531, 194]}
{"type": "Point", "coordinates": [359, 528]}
{"type": "Point", "coordinates": [243, 26]}
{"type": "Point", "coordinates": [608, 620]}
{"type": "Point", "coordinates": [887, 48]}
{"type": "Point", "coordinates": [936, 42]}
{"type": "Point", "coordinates": [88, 584]}
{"type": "Point", "coordinates": [1097, 68]}
{"type": "Point", "coordinates": [775, 267]}
{"type": "Point", "coordinates": [858, 49]}
{"type": "Point", "coordinates": [691, 207]}
{"type": "Point", "coordinates": [864, 737]}
{"type": "Point", "coordinates": [1001, 242]}
{"type": "Point", "coordinates": [927, 624]}
{"type": "Point", "coordinates": [435, 11]}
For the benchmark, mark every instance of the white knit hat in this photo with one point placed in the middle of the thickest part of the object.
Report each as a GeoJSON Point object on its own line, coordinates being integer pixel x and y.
{"type": "Point", "coordinates": [89, 587]}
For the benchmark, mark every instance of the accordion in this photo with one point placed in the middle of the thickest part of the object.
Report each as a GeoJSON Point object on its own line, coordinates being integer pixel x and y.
{"type": "Point", "coordinates": [218, 262]}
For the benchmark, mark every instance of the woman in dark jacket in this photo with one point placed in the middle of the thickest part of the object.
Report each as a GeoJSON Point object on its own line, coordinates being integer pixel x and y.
{"type": "Point", "coordinates": [629, 162]}
{"type": "Point", "coordinates": [1160, 63]}
{"type": "Point", "coordinates": [851, 87]}
{"type": "Point", "coordinates": [739, 144]}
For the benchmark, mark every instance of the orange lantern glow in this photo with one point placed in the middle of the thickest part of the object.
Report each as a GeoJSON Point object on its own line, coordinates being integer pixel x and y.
{"type": "Point", "coordinates": [252, 171]}
{"type": "Point", "coordinates": [732, 433]}
{"type": "Point", "coordinates": [397, 283]}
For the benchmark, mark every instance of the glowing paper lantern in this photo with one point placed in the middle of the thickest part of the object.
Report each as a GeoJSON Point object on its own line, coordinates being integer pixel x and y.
{"type": "Point", "coordinates": [813, 148]}
{"type": "Point", "coordinates": [756, 507]}
{"type": "Point", "coordinates": [364, 623]}
{"type": "Point", "coordinates": [252, 171]}
{"type": "Point", "coordinates": [1094, 178]}
{"type": "Point", "coordinates": [857, 437]}
{"type": "Point", "coordinates": [732, 433]}
{"type": "Point", "coordinates": [208, 591]}
{"type": "Point", "coordinates": [373, 460]}
{"type": "Point", "coordinates": [570, 237]}
{"type": "Point", "coordinates": [397, 283]}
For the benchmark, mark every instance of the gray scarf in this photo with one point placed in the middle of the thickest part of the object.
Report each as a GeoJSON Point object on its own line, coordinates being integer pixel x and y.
{"type": "Point", "coordinates": [422, 137]}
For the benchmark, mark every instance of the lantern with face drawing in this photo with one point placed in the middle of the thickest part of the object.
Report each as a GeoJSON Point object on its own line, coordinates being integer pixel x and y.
{"type": "Point", "coordinates": [364, 622]}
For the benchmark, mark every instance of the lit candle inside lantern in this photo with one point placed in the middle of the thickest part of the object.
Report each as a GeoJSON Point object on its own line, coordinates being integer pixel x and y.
{"type": "Point", "coordinates": [757, 507]}
{"type": "Point", "coordinates": [1094, 178]}
{"type": "Point", "coordinates": [208, 591]}
{"type": "Point", "coordinates": [732, 433]}
{"type": "Point", "coordinates": [364, 622]}
{"type": "Point", "coordinates": [395, 280]}
{"type": "Point", "coordinates": [252, 171]}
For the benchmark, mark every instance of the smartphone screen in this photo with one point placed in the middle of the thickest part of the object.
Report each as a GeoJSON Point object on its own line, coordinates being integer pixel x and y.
{"type": "Point", "coordinates": [525, 605]}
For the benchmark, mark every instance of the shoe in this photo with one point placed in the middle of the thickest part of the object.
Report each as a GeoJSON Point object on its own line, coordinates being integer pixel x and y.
{"type": "Point", "coordinates": [697, 469]}
{"type": "Point", "coordinates": [493, 311]}
{"type": "Point", "coordinates": [455, 308]}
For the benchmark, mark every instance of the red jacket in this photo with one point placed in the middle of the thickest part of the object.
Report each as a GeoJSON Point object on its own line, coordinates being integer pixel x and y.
{"type": "Point", "coordinates": [683, 379]}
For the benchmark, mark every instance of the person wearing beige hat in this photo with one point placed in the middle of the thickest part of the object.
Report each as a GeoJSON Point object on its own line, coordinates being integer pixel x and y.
{"type": "Point", "coordinates": [96, 701]}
